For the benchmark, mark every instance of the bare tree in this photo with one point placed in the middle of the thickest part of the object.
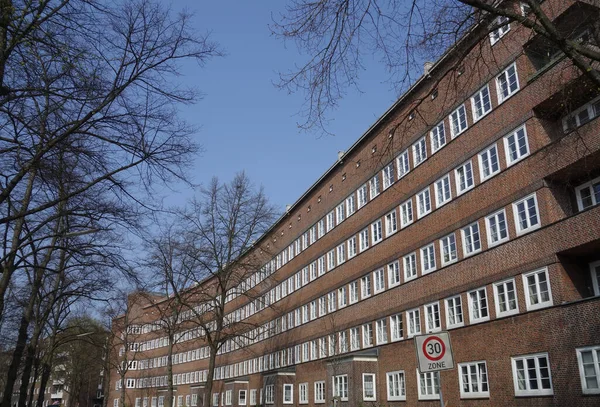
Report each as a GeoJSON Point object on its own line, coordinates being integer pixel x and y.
{"type": "Point", "coordinates": [339, 35]}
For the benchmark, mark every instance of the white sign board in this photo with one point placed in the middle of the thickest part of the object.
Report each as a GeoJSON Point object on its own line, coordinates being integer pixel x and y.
{"type": "Point", "coordinates": [434, 352]}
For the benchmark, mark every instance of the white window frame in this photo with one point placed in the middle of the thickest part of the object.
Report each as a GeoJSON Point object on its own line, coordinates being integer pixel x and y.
{"type": "Point", "coordinates": [444, 186]}
{"type": "Point", "coordinates": [394, 394]}
{"type": "Point", "coordinates": [473, 319]}
{"type": "Point", "coordinates": [406, 209]}
{"type": "Point", "coordinates": [595, 276]}
{"type": "Point", "coordinates": [468, 239]}
{"type": "Point", "coordinates": [381, 334]}
{"type": "Point", "coordinates": [433, 377]}
{"type": "Point", "coordinates": [366, 289]}
{"type": "Point", "coordinates": [478, 99]}
{"type": "Point", "coordinates": [388, 175]}
{"type": "Point", "coordinates": [391, 223]}
{"type": "Point", "coordinates": [589, 186]}
{"type": "Point", "coordinates": [303, 393]}
{"type": "Point", "coordinates": [437, 137]}
{"type": "Point", "coordinates": [492, 223]}
{"type": "Point", "coordinates": [430, 316]}
{"type": "Point", "coordinates": [458, 177]}
{"type": "Point", "coordinates": [242, 401]}
{"type": "Point", "coordinates": [363, 240]}
{"type": "Point", "coordinates": [413, 328]}
{"type": "Point", "coordinates": [595, 350]}
{"type": "Point", "coordinates": [541, 304]}
{"type": "Point", "coordinates": [451, 303]}
{"type": "Point", "coordinates": [504, 284]}
{"type": "Point", "coordinates": [510, 160]}
{"type": "Point", "coordinates": [486, 156]}
{"type": "Point", "coordinates": [376, 232]}
{"type": "Point", "coordinates": [427, 254]}
{"type": "Point", "coordinates": [352, 247]}
{"type": "Point", "coordinates": [374, 187]}
{"type": "Point", "coordinates": [365, 396]}
{"type": "Point", "coordinates": [393, 270]}
{"type": "Point", "coordinates": [367, 335]}
{"type": "Point", "coordinates": [403, 164]}
{"type": "Point", "coordinates": [410, 260]}
{"type": "Point", "coordinates": [340, 213]}
{"type": "Point", "coordinates": [419, 149]}
{"type": "Point", "coordinates": [499, 32]}
{"type": "Point", "coordinates": [350, 205]}
{"type": "Point", "coordinates": [470, 394]}
{"type": "Point", "coordinates": [504, 75]}
{"type": "Point", "coordinates": [340, 387]}
{"type": "Point", "coordinates": [448, 254]}
{"type": "Point", "coordinates": [396, 320]}
{"type": "Point", "coordinates": [528, 392]}
{"type": "Point", "coordinates": [516, 215]}
{"type": "Point", "coordinates": [378, 280]}
{"type": "Point", "coordinates": [455, 119]}
{"type": "Point", "coordinates": [362, 196]}
{"type": "Point", "coordinates": [320, 392]}
{"type": "Point", "coordinates": [423, 197]}
{"type": "Point", "coordinates": [270, 394]}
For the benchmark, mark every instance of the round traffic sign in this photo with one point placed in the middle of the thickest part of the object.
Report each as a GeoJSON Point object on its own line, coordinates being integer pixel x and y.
{"type": "Point", "coordinates": [434, 348]}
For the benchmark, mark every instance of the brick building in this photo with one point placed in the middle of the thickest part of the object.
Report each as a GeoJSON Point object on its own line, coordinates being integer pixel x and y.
{"type": "Point", "coordinates": [470, 206]}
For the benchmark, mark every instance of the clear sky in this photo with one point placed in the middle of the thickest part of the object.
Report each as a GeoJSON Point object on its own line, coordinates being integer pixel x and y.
{"type": "Point", "coordinates": [247, 123]}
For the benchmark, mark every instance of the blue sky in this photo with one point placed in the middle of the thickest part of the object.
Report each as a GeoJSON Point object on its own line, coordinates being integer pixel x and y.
{"type": "Point", "coordinates": [246, 123]}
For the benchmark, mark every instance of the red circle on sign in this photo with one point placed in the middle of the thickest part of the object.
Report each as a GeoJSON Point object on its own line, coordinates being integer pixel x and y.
{"type": "Point", "coordinates": [442, 353]}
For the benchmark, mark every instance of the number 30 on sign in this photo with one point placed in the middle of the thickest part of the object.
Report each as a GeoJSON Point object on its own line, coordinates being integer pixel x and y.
{"type": "Point", "coordinates": [434, 352]}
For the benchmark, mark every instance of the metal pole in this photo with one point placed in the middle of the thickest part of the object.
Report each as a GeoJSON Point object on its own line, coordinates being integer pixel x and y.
{"type": "Point", "coordinates": [440, 388]}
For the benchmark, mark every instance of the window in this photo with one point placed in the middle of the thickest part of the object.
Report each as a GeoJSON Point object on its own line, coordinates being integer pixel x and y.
{"type": "Point", "coordinates": [340, 387]}
{"type": "Point", "coordinates": [406, 213]}
{"type": "Point", "coordinates": [402, 162]}
{"type": "Point", "coordinates": [454, 313]}
{"type": "Point", "coordinates": [161, 401]}
{"type": "Point", "coordinates": [588, 360]}
{"type": "Point", "coordinates": [365, 287]}
{"type": "Point", "coordinates": [438, 137]}
{"type": "Point", "coordinates": [320, 228]}
{"type": "Point", "coordinates": [362, 196]}
{"type": "Point", "coordinates": [414, 322]}
{"type": "Point", "coordinates": [526, 214]}
{"type": "Point", "coordinates": [448, 249]}
{"type": "Point", "coordinates": [503, 27]}
{"type": "Point", "coordinates": [270, 394]}
{"type": "Point", "coordinates": [369, 387]}
{"type": "Point", "coordinates": [341, 253]}
{"type": "Point", "coordinates": [363, 239]}
{"type": "Point", "coordinates": [313, 310]}
{"type": "Point", "coordinates": [473, 380]}
{"type": "Point", "coordinates": [396, 386]}
{"type": "Point", "coordinates": [531, 375]}
{"type": "Point", "coordinates": [351, 247]}
{"type": "Point", "coordinates": [342, 297]}
{"type": "Point", "coordinates": [507, 83]}
{"type": "Point", "coordinates": [216, 399]}
{"type": "Point", "coordinates": [253, 397]}
{"type": "Point", "coordinates": [388, 175]}
{"type": "Point", "coordinates": [419, 151]}
{"type": "Point", "coordinates": [353, 287]}
{"type": "Point", "coordinates": [391, 223]}
{"type": "Point", "coordinates": [481, 103]}
{"type": "Point", "coordinates": [488, 162]}
{"type": "Point", "coordinates": [423, 203]}
{"type": "Point", "coordinates": [367, 331]}
{"type": "Point", "coordinates": [464, 178]}
{"type": "Point", "coordinates": [379, 280]}
{"type": "Point", "coordinates": [330, 221]}
{"type": "Point", "coordinates": [581, 116]}
{"type": "Point", "coordinates": [331, 301]}
{"type": "Point", "coordinates": [595, 275]}
{"type": "Point", "coordinates": [516, 146]}
{"type": "Point", "coordinates": [322, 306]}
{"type": "Point", "coordinates": [116, 403]}
{"type": "Point", "coordinates": [429, 385]}
{"type": "Point", "coordinates": [381, 332]}
{"type": "Point", "coordinates": [374, 187]}
{"type": "Point", "coordinates": [428, 259]}
{"type": "Point", "coordinates": [471, 240]}
{"type": "Point", "coordinates": [303, 393]}
{"type": "Point", "coordinates": [350, 205]}
{"type": "Point", "coordinates": [458, 121]}
{"type": "Point", "coordinates": [442, 191]}
{"type": "Point", "coordinates": [432, 315]}
{"type": "Point", "coordinates": [227, 398]}
{"type": "Point", "coordinates": [376, 232]}
{"type": "Point", "coordinates": [393, 274]}
{"type": "Point", "coordinates": [506, 298]}
{"type": "Point", "coordinates": [354, 338]}
{"type": "Point", "coordinates": [478, 306]}
{"type": "Point", "coordinates": [340, 213]}
{"type": "Point", "coordinates": [319, 392]}
{"type": "Point", "coordinates": [537, 289]}
{"type": "Point", "coordinates": [410, 266]}
{"type": "Point", "coordinates": [396, 327]}
{"type": "Point", "coordinates": [330, 261]}
{"type": "Point", "coordinates": [588, 194]}
{"type": "Point", "coordinates": [496, 228]}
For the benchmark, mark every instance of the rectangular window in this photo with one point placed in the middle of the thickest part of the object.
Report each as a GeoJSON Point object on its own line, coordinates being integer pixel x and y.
{"type": "Point", "coordinates": [496, 228]}
{"type": "Point", "coordinates": [381, 332]}
{"type": "Point", "coordinates": [253, 397]}
{"type": "Point", "coordinates": [423, 203]}
{"type": "Point", "coordinates": [406, 213]}
{"type": "Point", "coordinates": [516, 146]}
{"type": "Point", "coordinates": [303, 393]}
{"type": "Point", "coordinates": [403, 164]}
{"type": "Point", "coordinates": [428, 259]}
{"type": "Point", "coordinates": [342, 297]}
{"type": "Point", "coordinates": [331, 301]}
{"type": "Point", "coordinates": [340, 387]}
{"type": "Point", "coordinates": [361, 194]}
{"type": "Point", "coordinates": [393, 274]}
{"type": "Point", "coordinates": [463, 177]}
{"type": "Point", "coordinates": [448, 249]}
{"type": "Point", "coordinates": [365, 286]}
{"type": "Point", "coordinates": [588, 194]}
{"type": "Point", "coordinates": [369, 387]}
{"type": "Point", "coordinates": [396, 329]}
{"type": "Point", "coordinates": [478, 306]}
{"type": "Point", "coordinates": [391, 223]}
{"type": "Point", "coordinates": [354, 338]}
{"type": "Point", "coordinates": [350, 205]}
{"type": "Point", "coordinates": [270, 394]}
{"type": "Point", "coordinates": [471, 239]}
{"type": "Point", "coordinates": [330, 221]}
{"type": "Point", "coordinates": [526, 214]}
{"type": "Point", "coordinates": [454, 313]}
{"type": "Point", "coordinates": [353, 288]}
{"type": "Point", "coordinates": [330, 260]}
{"type": "Point", "coordinates": [414, 322]}
{"type": "Point", "coordinates": [242, 398]}
{"type": "Point", "coordinates": [503, 27]}
{"type": "Point", "coordinates": [367, 335]}
{"type": "Point", "coordinates": [410, 266]}
{"type": "Point", "coordinates": [321, 228]}
{"type": "Point", "coordinates": [319, 392]}
{"type": "Point", "coordinates": [388, 175]}
{"type": "Point", "coordinates": [473, 380]}
{"type": "Point", "coordinates": [505, 296]}
{"type": "Point", "coordinates": [419, 151]}
{"type": "Point", "coordinates": [595, 275]}
{"type": "Point", "coordinates": [376, 232]}
{"type": "Point", "coordinates": [438, 137]}
{"type": "Point", "coordinates": [396, 386]}
{"type": "Point", "coordinates": [322, 306]}
{"type": "Point", "coordinates": [379, 280]}
{"type": "Point", "coordinates": [588, 360]}
{"type": "Point", "coordinates": [481, 103]}
{"type": "Point", "coordinates": [352, 247]}
{"type": "Point", "coordinates": [340, 213]}
{"type": "Point", "coordinates": [507, 83]}
{"type": "Point", "coordinates": [442, 191]}
{"type": "Point", "coordinates": [374, 187]}
{"type": "Point", "coordinates": [488, 163]}
{"type": "Point", "coordinates": [215, 399]}
{"type": "Point", "coordinates": [363, 239]}
{"type": "Point", "coordinates": [537, 289]}
{"type": "Point", "coordinates": [458, 121]}
{"type": "Point", "coordinates": [432, 314]}
{"type": "Point", "coordinates": [531, 375]}
{"type": "Point", "coordinates": [341, 253]}
{"type": "Point", "coordinates": [429, 385]}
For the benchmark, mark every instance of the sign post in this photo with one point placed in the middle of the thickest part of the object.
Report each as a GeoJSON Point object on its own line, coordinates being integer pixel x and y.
{"type": "Point", "coordinates": [434, 353]}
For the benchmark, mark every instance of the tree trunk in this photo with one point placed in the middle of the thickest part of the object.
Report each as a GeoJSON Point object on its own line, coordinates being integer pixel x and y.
{"type": "Point", "coordinates": [169, 402]}
{"type": "Point", "coordinates": [46, 370]}
{"type": "Point", "coordinates": [36, 372]}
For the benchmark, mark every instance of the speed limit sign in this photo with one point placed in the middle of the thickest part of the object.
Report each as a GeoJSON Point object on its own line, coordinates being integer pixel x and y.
{"type": "Point", "coordinates": [434, 352]}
